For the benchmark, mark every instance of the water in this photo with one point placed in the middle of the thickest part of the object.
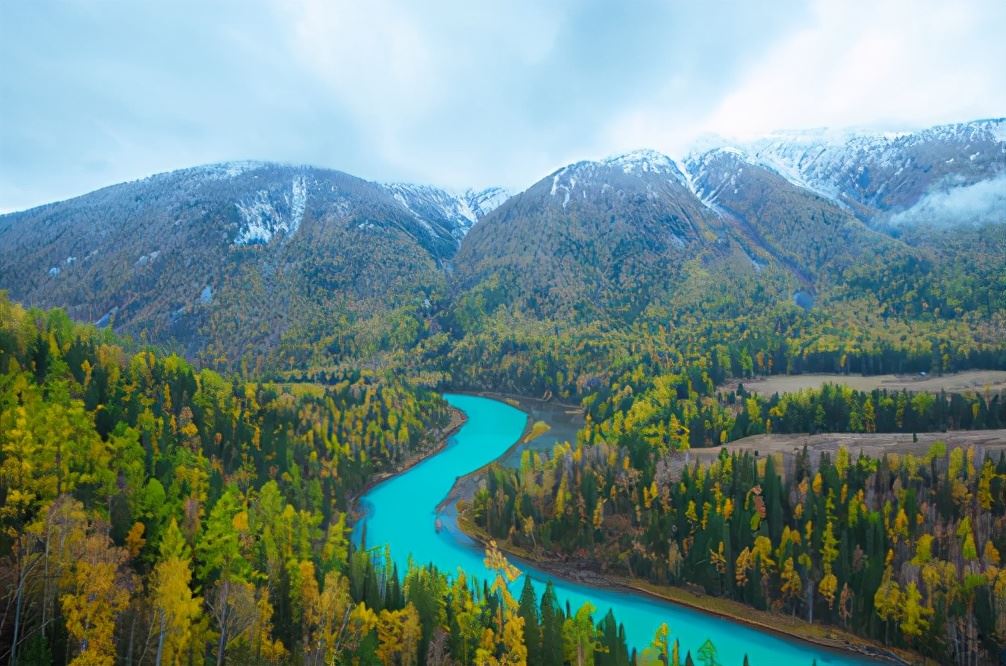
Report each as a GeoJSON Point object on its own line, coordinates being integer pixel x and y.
{"type": "Point", "coordinates": [401, 512]}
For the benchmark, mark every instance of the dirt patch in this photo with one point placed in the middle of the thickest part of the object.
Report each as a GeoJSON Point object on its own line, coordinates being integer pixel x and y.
{"type": "Point", "coordinates": [873, 445]}
{"type": "Point", "coordinates": [961, 382]}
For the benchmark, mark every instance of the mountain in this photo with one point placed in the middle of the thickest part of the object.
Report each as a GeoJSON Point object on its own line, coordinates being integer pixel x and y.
{"type": "Point", "coordinates": [293, 265]}
{"type": "Point", "coordinates": [230, 259]}
{"type": "Point", "coordinates": [880, 175]}
{"type": "Point", "coordinates": [588, 238]}
{"type": "Point", "coordinates": [609, 238]}
{"type": "Point", "coordinates": [812, 235]}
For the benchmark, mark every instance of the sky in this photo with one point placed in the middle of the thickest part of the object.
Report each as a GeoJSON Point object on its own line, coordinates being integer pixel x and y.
{"type": "Point", "coordinates": [460, 93]}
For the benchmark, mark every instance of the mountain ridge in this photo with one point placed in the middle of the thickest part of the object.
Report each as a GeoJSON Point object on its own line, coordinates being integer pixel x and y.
{"type": "Point", "coordinates": [262, 258]}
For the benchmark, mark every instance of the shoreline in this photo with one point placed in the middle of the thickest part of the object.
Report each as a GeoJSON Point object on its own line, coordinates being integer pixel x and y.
{"type": "Point", "coordinates": [511, 398]}
{"type": "Point", "coordinates": [835, 639]}
{"type": "Point", "coordinates": [457, 420]}
{"type": "Point", "coordinates": [453, 495]}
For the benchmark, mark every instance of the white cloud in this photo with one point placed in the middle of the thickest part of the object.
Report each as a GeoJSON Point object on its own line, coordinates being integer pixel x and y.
{"type": "Point", "coordinates": [979, 203]}
{"type": "Point", "coordinates": [863, 62]}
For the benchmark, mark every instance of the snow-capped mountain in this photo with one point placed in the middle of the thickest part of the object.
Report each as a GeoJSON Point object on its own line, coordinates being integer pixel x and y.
{"type": "Point", "coordinates": [884, 175]}
{"type": "Point", "coordinates": [577, 239]}
{"type": "Point", "coordinates": [181, 256]}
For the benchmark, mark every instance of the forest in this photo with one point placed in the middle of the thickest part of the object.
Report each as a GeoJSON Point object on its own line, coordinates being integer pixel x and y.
{"type": "Point", "coordinates": [904, 549]}
{"type": "Point", "coordinates": [153, 513]}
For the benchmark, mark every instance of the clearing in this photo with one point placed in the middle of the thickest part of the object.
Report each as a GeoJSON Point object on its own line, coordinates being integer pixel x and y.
{"type": "Point", "coordinates": [961, 382]}
{"type": "Point", "coordinates": [874, 445]}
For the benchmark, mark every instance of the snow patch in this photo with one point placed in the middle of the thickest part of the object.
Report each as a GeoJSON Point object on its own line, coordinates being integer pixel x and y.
{"type": "Point", "coordinates": [225, 170]}
{"type": "Point", "coordinates": [998, 128]}
{"type": "Point", "coordinates": [441, 212]}
{"type": "Point", "coordinates": [147, 258]}
{"type": "Point", "coordinates": [642, 161]}
{"type": "Point", "coordinates": [264, 216]}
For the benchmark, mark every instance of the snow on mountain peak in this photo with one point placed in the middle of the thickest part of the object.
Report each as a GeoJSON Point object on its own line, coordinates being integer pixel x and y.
{"type": "Point", "coordinates": [639, 163]}
{"type": "Point", "coordinates": [644, 160]}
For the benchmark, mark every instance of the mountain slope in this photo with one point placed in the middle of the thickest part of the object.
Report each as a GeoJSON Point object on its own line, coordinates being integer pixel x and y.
{"type": "Point", "coordinates": [458, 212]}
{"type": "Point", "coordinates": [877, 174]}
{"type": "Point", "coordinates": [229, 258]}
{"type": "Point", "coordinates": [593, 239]}
{"type": "Point", "coordinates": [809, 234]}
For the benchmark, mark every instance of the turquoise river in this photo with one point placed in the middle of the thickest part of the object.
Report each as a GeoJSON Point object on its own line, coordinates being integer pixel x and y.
{"type": "Point", "coordinates": [402, 512]}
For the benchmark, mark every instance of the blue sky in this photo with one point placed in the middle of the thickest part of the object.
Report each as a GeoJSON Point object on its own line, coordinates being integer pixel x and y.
{"type": "Point", "coordinates": [462, 93]}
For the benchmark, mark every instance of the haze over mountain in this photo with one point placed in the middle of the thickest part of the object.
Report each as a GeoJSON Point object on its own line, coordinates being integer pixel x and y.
{"type": "Point", "coordinates": [228, 259]}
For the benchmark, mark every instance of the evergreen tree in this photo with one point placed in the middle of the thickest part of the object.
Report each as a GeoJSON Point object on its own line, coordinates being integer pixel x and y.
{"type": "Point", "coordinates": [528, 609]}
{"type": "Point", "coordinates": [551, 627]}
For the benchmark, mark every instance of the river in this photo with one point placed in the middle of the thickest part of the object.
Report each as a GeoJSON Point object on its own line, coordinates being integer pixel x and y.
{"type": "Point", "coordinates": [401, 512]}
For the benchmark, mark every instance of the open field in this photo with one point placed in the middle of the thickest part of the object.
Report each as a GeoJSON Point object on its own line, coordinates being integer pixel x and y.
{"type": "Point", "coordinates": [961, 382]}
{"type": "Point", "coordinates": [874, 445]}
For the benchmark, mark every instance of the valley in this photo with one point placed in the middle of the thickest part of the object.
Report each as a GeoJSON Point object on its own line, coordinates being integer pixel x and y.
{"type": "Point", "coordinates": [489, 430]}
{"type": "Point", "coordinates": [768, 380]}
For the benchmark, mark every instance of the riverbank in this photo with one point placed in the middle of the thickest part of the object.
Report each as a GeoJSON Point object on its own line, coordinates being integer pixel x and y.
{"type": "Point", "coordinates": [829, 637]}
{"type": "Point", "coordinates": [438, 441]}
{"type": "Point", "coordinates": [525, 403]}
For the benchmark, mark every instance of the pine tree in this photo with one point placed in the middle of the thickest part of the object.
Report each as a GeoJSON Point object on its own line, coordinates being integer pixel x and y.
{"type": "Point", "coordinates": [707, 654]}
{"type": "Point", "coordinates": [551, 627]}
{"type": "Point", "coordinates": [528, 610]}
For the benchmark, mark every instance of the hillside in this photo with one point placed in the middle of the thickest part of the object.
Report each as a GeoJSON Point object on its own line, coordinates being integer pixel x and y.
{"type": "Point", "coordinates": [880, 175]}
{"type": "Point", "coordinates": [231, 260]}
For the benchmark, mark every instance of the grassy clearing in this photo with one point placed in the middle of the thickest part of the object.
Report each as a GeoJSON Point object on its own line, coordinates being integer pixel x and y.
{"type": "Point", "coordinates": [961, 382]}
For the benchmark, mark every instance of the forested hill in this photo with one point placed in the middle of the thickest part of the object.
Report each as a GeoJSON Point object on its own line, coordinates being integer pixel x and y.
{"type": "Point", "coordinates": [224, 259]}
{"type": "Point", "coordinates": [287, 269]}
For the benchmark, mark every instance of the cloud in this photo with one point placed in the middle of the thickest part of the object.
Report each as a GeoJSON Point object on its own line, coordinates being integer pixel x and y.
{"type": "Point", "coordinates": [983, 202]}
{"type": "Point", "coordinates": [458, 93]}
{"type": "Point", "coordinates": [898, 63]}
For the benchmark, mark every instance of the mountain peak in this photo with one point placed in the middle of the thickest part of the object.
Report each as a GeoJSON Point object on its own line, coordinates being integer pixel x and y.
{"type": "Point", "coordinates": [643, 160]}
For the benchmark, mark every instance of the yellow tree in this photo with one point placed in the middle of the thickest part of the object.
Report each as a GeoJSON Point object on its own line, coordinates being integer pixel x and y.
{"type": "Point", "coordinates": [398, 635]}
{"type": "Point", "coordinates": [658, 653]}
{"type": "Point", "coordinates": [328, 632]}
{"type": "Point", "coordinates": [508, 637]}
{"type": "Point", "coordinates": [95, 596]}
{"type": "Point", "coordinates": [914, 616]}
{"type": "Point", "coordinates": [887, 601]}
{"type": "Point", "coordinates": [178, 609]}
{"type": "Point", "coordinates": [790, 584]}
